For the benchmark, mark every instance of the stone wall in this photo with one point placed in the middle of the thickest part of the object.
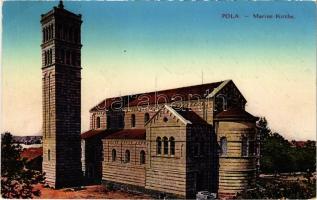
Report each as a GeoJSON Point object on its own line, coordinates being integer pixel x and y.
{"type": "Point", "coordinates": [132, 172]}
{"type": "Point", "coordinates": [49, 125]}
{"type": "Point", "coordinates": [166, 173]}
{"type": "Point", "coordinates": [202, 160]}
{"type": "Point", "coordinates": [61, 71]}
{"type": "Point", "coordinates": [237, 172]}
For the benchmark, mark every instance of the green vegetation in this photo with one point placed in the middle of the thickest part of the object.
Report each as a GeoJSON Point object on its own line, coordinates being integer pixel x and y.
{"type": "Point", "coordinates": [16, 180]}
{"type": "Point", "coordinates": [278, 156]}
{"type": "Point", "coordinates": [281, 188]}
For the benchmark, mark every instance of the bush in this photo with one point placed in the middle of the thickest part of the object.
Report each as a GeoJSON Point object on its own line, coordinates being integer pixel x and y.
{"type": "Point", "coordinates": [16, 180]}
{"type": "Point", "coordinates": [277, 189]}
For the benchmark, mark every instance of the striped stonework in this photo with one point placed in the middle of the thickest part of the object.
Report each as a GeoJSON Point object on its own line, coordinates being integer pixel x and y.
{"type": "Point", "coordinates": [61, 83]}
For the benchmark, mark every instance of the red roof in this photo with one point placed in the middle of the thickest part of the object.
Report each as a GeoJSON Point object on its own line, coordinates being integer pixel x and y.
{"type": "Point", "coordinates": [32, 153]}
{"type": "Point", "coordinates": [116, 134]}
{"type": "Point", "coordinates": [190, 115]}
{"type": "Point", "coordinates": [235, 114]}
{"type": "Point", "coordinates": [97, 133]}
{"type": "Point", "coordinates": [163, 96]}
{"type": "Point", "coordinates": [137, 134]}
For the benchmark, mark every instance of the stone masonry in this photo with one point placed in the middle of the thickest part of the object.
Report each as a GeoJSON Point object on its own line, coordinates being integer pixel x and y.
{"type": "Point", "coordinates": [61, 72]}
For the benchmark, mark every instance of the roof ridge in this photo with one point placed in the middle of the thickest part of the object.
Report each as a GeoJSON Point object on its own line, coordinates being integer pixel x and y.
{"type": "Point", "coordinates": [164, 90]}
{"type": "Point", "coordinates": [160, 91]}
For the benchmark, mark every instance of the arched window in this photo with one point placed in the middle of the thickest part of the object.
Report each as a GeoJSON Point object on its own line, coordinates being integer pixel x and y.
{"type": "Point", "coordinates": [244, 146]}
{"type": "Point", "coordinates": [46, 34]}
{"type": "Point", "coordinates": [108, 121]}
{"type": "Point", "coordinates": [133, 120]}
{"type": "Point", "coordinates": [48, 155]}
{"type": "Point", "coordinates": [223, 146]}
{"type": "Point", "coordinates": [50, 57]}
{"type": "Point", "coordinates": [98, 122]}
{"type": "Point", "coordinates": [43, 35]}
{"type": "Point", "coordinates": [127, 156]}
{"type": "Point", "coordinates": [165, 143]}
{"type": "Point", "coordinates": [114, 155]}
{"type": "Point", "coordinates": [146, 117]}
{"type": "Point", "coordinates": [45, 58]}
{"type": "Point", "coordinates": [252, 148]}
{"type": "Point", "coordinates": [172, 145]}
{"type": "Point", "coordinates": [158, 145]}
{"type": "Point", "coordinates": [51, 31]}
{"type": "Point", "coordinates": [142, 157]}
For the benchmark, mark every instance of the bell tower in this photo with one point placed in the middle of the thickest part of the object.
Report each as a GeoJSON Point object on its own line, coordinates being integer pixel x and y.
{"type": "Point", "coordinates": [61, 85]}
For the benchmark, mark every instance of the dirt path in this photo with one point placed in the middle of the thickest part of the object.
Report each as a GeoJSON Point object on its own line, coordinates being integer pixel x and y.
{"type": "Point", "coordinates": [88, 192]}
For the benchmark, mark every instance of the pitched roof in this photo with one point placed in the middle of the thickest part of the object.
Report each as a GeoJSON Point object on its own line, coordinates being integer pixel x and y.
{"type": "Point", "coordinates": [137, 134]}
{"type": "Point", "coordinates": [191, 116]}
{"type": "Point", "coordinates": [176, 94]}
{"type": "Point", "coordinates": [115, 134]}
{"type": "Point", "coordinates": [235, 114]}
{"type": "Point", "coordinates": [32, 153]}
{"type": "Point", "coordinates": [178, 115]}
{"type": "Point", "coordinates": [186, 115]}
{"type": "Point", "coordinates": [97, 133]}
{"type": "Point", "coordinates": [216, 90]}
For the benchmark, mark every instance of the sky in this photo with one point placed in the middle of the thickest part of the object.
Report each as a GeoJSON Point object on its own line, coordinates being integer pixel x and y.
{"type": "Point", "coordinates": [129, 45]}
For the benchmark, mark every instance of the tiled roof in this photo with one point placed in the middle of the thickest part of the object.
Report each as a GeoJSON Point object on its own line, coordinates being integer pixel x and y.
{"type": "Point", "coordinates": [115, 134]}
{"type": "Point", "coordinates": [177, 94]}
{"type": "Point", "coordinates": [138, 134]}
{"type": "Point", "coordinates": [235, 114]}
{"type": "Point", "coordinates": [190, 115]}
{"type": "Point", "coordinates": [97, 133]}
{"type": "Point", "coordinates": [32, 153]}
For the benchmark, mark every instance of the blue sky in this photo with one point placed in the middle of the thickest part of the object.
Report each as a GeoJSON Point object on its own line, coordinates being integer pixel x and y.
{"type": "Point", "coordinates": [127, 44]}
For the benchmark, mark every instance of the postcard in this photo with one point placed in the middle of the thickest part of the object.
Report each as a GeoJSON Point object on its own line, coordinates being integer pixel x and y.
{"type": "Point", "coordinates": [158, 99]}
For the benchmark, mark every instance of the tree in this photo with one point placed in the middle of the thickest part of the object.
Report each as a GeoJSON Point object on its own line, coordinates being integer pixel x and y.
{"type": "Point", "coordinates": [277, 154]}
{"type": "Point", "coordinates": [263, 129]}
{"type": "Point", "coordinates": [16, 180]}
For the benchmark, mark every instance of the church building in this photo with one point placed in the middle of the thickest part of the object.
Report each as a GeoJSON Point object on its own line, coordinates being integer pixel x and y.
{"type": "Point", "coordinates": [171, 143]}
